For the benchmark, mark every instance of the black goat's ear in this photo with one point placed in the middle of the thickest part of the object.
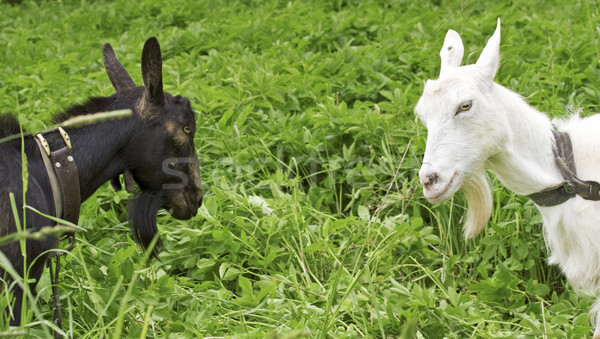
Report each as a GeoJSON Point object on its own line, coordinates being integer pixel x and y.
{"type": "Point", "coordinates": [152, 72]}
{"type": "Point", "coordinates": [120, 79]}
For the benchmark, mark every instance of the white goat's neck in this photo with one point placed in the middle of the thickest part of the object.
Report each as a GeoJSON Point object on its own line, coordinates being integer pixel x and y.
{"type": "Point", "coordinates": [525, 161]}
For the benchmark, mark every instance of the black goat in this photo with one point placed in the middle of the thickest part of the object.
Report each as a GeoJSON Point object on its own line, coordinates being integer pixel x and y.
{"type": "Point", "coordinates": [153, 147]}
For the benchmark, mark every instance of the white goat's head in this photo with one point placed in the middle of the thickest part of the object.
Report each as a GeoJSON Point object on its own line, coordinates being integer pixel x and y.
{"type": "Point", "coordinates": [464, 123]}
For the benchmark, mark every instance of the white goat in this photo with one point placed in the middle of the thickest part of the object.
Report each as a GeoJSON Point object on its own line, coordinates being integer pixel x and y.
{"type": "Point", "coordinates": [475, 123]}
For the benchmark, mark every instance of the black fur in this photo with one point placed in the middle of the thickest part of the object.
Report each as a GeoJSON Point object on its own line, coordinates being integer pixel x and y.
{"type": "Point", "coordinates": [9, 125]}
{"type": "Point", "coordinates": [97, 104]}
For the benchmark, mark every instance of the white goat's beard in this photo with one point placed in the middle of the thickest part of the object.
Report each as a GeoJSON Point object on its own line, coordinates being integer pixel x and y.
{"type": "Point", "coordinates": [478, 190]}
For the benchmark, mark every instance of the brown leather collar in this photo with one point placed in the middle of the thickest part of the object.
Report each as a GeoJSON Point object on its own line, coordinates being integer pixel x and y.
{"type": "Point", "coordinates": [572, 185]}
{"type": "Point", "coordinates": [63, 175]}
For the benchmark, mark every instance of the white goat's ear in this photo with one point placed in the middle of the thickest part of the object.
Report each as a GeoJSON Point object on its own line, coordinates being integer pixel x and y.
{"type": "Point", "coordinates": [452, 51]}
{"type": "Point", "coordinates": [490, 57]}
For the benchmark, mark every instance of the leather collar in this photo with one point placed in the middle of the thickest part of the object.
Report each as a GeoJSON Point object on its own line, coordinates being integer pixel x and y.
{"type": "Point", "coordinates": [572, 185]}
{"type": "Point", "coordinates": [63, 175]}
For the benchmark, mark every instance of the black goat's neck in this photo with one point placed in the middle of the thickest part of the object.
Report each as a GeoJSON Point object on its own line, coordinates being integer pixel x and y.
{"type": "Point", "coordinates": [98, 151]}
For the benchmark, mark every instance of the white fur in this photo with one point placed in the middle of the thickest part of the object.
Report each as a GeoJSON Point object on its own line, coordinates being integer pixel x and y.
{"type": "Point", "coordinates": [502, 132]}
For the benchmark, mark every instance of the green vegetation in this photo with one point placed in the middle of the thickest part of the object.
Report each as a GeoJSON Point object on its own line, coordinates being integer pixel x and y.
{"type": "Point", "coordinates": [313, 223]}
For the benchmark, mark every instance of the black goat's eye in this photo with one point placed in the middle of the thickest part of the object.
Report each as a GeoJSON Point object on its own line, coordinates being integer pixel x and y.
{"type": "Point", "coordinates": [187, 129]}
{"type": "Point", "coordinates": [465, 106]}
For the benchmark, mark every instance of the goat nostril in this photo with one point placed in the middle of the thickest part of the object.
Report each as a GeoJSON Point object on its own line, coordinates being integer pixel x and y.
{"type": "Point", "coordinates": [430, 180]}
{"type": "Point", "coordinates": [433, 178]}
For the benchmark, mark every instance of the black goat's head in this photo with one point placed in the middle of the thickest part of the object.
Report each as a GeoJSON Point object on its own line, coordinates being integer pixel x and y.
{"type": "Point", "coordinates": [166, 165]}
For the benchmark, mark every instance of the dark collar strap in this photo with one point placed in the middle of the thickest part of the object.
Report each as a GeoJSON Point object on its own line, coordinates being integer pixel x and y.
{"type": "Point", "coordinates": [64, 178]}
{"type": "Point", "coordinates": [554, 195]}
{"type": "Point", "coordinates": [572, 185]}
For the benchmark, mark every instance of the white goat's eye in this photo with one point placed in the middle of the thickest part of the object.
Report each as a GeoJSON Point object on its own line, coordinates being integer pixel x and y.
{"type": "Point", "coordinates": [465, 106]}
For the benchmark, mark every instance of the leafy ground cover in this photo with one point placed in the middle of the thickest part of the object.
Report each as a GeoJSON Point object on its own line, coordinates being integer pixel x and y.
{"type": "Point", "coordinates": [313, 223]}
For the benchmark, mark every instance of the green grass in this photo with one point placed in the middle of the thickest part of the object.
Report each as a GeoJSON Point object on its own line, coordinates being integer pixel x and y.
{"type": "Point", "coordinates": [313, 223]}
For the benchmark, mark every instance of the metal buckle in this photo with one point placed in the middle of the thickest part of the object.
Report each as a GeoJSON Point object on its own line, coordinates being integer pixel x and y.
{"type": "Point", "coordinates": [593, 191]}
{"type": "Point", "coordinates": [63, 134]}
{"type": "Point", "coordinates": [65, 137]}
{"type": "Point", "coordinates": [570, 188]}
{"type": "Point", "coordinates": [44, 143]}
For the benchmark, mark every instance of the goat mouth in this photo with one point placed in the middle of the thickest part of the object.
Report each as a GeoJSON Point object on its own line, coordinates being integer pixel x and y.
{"type": "Point", "coordinates": [182, 208]}
{"type": "Point", "coordinates": [181, 212]}
{"type": "Point", "coordinates": [446, 191]}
